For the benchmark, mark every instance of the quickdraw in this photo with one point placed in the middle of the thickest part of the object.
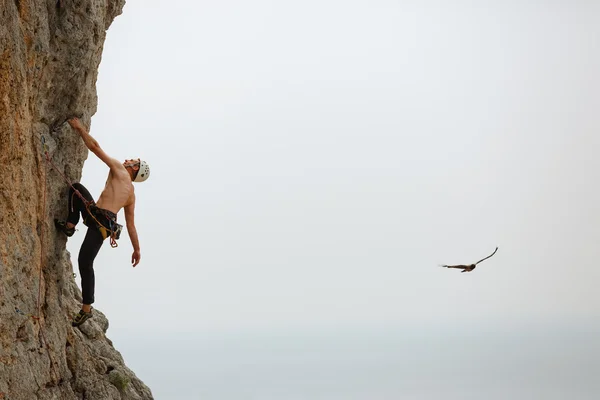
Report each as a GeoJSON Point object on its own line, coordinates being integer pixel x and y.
{"type": "Point", "coordinates": [26, 314]}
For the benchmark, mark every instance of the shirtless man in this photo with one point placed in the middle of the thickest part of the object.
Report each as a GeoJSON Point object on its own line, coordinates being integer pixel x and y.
{"type": "Point", "coordinates": [101, 216]}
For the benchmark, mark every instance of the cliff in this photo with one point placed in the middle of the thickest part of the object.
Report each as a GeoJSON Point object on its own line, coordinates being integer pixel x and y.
{"type": "Point", "coordinates": [49, 57]}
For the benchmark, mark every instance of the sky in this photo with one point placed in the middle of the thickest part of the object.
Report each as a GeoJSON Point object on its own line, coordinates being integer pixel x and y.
{"type": "Point", "coordinates": [312, 165]}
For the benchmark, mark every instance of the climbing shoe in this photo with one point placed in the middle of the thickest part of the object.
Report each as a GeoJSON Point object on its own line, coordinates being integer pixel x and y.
{"type": "Point", "coordinates": [62, 226]}
{"type": "Point", "coordinates": [81, 317]}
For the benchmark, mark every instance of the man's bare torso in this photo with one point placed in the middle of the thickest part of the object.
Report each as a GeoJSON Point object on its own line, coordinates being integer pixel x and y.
{"type": "Point", "coordinates": [118, 191]}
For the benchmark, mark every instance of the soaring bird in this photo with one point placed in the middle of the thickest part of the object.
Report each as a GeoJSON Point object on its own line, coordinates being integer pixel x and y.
{"type": "Point", "coordinates": [470, 267]}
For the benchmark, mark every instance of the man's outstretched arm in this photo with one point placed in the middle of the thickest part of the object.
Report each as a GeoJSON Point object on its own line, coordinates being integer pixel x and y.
{"type": "Point", "coordinates": [129, 221]}
{"type": "Point", "coordinates": [92, 144]}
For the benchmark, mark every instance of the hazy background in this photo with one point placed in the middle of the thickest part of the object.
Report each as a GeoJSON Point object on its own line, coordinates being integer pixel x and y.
{"type": "Point", "coordinates": [312, 163]}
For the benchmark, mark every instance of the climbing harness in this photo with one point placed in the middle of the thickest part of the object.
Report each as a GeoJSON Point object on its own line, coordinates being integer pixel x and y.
{"type": "Point", "coordinates": [113, 231]}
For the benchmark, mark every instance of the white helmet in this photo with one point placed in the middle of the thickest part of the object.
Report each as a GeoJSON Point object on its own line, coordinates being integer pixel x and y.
{"type": "Point", "coordinates": [143, 172]}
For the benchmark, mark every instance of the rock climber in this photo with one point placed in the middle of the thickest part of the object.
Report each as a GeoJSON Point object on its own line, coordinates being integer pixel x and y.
{"type": "Point", "coordinates": [101, 216]}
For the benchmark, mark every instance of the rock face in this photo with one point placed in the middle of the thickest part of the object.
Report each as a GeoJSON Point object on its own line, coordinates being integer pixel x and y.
{"type": "Point", "coordinates": [49, 56]}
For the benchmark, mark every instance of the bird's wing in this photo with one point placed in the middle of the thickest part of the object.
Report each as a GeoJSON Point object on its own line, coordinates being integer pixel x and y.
{"type": "Point", "coordinates": [457, 266]}
{"type": "Point", "coordinates": [483, 259]}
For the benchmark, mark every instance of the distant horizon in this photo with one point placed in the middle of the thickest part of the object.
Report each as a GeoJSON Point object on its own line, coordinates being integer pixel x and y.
{"type": "Point", "coordinates": [297, 363]}
{"type": "Point", "coordinates": [505, 325]}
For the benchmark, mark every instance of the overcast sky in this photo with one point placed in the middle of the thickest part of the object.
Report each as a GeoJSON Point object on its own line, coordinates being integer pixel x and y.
{"type": "Point", "coordinates": [312, 163]}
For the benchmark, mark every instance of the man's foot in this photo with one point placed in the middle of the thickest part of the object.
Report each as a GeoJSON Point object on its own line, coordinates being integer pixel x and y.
{"type": "Point", "coordinates": [62, 226]}
{"type": "Point", "coordinates": [81, 317]}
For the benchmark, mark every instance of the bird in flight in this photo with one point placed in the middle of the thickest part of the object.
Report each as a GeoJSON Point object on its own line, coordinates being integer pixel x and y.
{"type": "Point", "coordinates": [470, 267]}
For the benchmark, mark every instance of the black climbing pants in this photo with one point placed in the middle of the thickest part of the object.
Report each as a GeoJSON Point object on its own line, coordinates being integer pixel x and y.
{"type": "Point", "coordinates": [93, 238]}
{"type": "Point", "coordinates": [89, 250]}
{"type": "Point", "coordinates": [76, 204]}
